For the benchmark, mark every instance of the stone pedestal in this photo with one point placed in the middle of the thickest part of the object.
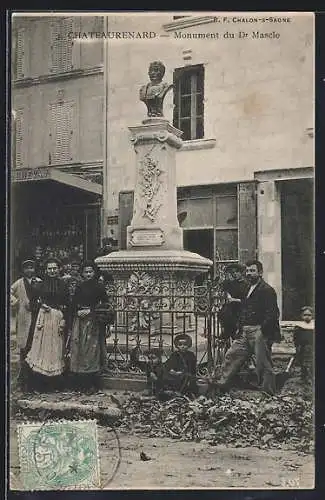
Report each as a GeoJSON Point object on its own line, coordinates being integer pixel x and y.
{"type": "Point", "coordinates": [155, 271]}
{"type": "Point", "coordinates": [154, 223]}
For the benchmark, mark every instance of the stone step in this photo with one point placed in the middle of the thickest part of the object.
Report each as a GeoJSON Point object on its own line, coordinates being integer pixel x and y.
{"type": "Point", "coordinates": [108, 412]}
{"type": "Point", "coordinates": [124, 383]}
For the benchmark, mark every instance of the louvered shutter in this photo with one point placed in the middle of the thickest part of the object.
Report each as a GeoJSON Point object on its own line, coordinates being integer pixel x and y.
{"type": "Point", "coordinates": [61, 54]}
{"type": "Point", "coordinates": [247, 221]}
{"type": "Point", "coordinates": [20, 138]}
{"type": "Point", "coordinates": [62, 119]}
{"type": "Point", "coordinates": [21, 54]}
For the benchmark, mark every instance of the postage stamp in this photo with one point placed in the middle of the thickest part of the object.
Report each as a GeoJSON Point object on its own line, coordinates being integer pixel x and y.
{"type": "Point", "coordinates": [59, 455]}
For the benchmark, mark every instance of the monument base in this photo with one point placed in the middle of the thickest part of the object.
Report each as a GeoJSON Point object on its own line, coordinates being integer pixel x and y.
{"type": "Point", "coordinates": [154, 261]}
{"type": "Point", "coordinates": [153, 290]}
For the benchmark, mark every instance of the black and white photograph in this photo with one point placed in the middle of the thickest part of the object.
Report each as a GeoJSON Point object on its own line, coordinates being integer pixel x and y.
{"type": "Point", "coordinates": [162, 247]}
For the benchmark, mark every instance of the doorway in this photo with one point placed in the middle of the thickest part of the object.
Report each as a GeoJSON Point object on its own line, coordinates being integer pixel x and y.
{"type": "Point", "coordinates": [297, 230]}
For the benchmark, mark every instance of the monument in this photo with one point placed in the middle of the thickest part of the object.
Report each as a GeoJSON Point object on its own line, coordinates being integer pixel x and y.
{"type": "Point", "coordinates": [154, 268]}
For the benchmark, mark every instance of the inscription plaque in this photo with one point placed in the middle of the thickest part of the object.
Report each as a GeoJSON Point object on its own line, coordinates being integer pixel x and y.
{"type": "Point", "coordinates": [147, 237]}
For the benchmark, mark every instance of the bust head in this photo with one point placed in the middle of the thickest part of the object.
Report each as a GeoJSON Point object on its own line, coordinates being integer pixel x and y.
{"type": "Point", "coordinates": [156, 71]}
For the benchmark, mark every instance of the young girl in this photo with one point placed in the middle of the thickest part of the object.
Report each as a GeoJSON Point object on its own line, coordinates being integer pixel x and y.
{"type": "Point", "coordinates": [303, 337]}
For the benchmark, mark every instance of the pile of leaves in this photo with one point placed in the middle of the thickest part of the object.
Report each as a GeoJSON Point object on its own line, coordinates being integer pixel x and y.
{"type": "Point", "coordinates": [278, 422]}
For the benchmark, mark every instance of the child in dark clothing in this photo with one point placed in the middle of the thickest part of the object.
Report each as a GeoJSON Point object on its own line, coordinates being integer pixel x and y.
{"type": "Point", "coordinates": [180, 368]}
{"type": "Point", "coordinates": [303, 337]}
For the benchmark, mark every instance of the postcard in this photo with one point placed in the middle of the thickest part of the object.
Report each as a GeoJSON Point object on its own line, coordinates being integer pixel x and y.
{"type": "Point", "coordinates": [162, 251]}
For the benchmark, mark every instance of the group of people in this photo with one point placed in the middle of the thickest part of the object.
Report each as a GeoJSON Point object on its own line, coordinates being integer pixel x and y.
{"type": "Point", "coordinates": [250, 322]}
{"type": "Point", "coordinates": [60, 329]}
{"type": "Point", "coordinates": [57, 327]}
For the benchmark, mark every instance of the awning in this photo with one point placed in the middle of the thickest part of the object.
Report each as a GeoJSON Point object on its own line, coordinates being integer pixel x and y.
{"type": "Point", "coordinates": [53, 174]}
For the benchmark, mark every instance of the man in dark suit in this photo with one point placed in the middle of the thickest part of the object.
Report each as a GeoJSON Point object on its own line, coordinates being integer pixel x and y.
{"type": "Point", "coordinates": [258, 329]}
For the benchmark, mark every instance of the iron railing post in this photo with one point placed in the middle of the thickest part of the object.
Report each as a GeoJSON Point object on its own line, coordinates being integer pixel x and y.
{"type": "Point", "coordinates": [209, 324]}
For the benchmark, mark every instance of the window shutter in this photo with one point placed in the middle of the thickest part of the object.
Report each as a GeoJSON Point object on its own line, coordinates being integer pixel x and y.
{"type": "Point", "coordinates": [75, 48]}
{"type": "Point", "coordinates": [62, 119]}
{"type": "Point", "coordinates": [20, 138]}
{"type": "Point", "coordinates": [126, 199]}
{"type": "Point", "coordinates": [21, 54]}
{"type": "Point", "coordinates": [61, 46]}
{"type": "Point", "coordinates": [247, 221]}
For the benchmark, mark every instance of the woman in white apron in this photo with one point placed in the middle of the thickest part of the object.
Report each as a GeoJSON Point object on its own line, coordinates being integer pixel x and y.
{"type": "Point", "coordinates": [46, 343]}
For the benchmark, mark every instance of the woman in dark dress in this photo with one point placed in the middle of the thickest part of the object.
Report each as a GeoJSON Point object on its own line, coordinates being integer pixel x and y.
{"type": "Point", "coordinates": [85, 350]}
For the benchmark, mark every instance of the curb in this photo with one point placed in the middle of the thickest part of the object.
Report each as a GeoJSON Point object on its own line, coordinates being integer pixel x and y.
{"type": "Point", "coordinates": [106, 414]}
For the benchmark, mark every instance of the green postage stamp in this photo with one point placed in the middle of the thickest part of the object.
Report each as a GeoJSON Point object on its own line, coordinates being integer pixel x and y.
{"type": "Point", "coordinates": [59, 455]}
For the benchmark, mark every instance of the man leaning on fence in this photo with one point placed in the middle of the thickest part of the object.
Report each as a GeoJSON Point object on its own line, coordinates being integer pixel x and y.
{"type": "Point", "coordinates": [258, 329]}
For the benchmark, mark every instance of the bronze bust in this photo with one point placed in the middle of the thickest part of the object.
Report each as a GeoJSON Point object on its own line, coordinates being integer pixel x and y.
{"type": "Point", "coordinates": [153, 94]}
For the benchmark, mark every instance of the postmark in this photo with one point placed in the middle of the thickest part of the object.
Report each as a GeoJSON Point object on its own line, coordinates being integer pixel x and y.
{"type": "Point", "coordinates": [59, 455]}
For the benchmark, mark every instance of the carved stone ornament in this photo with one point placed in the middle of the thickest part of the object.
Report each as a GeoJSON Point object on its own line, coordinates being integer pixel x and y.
{"type": "Point", "coordinates": [161, 137]}
{"type": "Point", "coordinates": [150, 184]}
{"type": "Point", "coordinates": [154, 92]}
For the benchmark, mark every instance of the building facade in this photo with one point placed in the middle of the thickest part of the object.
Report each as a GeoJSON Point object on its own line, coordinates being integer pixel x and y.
{"type": "Point", "coordinates": [245, 105]}
{"type": "Point", "coordinates": [58, 136]}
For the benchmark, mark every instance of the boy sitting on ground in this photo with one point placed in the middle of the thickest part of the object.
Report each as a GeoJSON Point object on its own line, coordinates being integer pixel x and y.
{"type": "Point", "coordinates": [180, 368]}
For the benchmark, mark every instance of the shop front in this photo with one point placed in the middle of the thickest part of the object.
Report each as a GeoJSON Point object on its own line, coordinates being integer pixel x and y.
{"type": "Point", "coordinates": [53, 214]}
{"type": "Point", "coordinates": [218, 221]}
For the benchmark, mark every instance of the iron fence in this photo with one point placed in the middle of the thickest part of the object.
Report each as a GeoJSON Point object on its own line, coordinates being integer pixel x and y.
{"type": "Point", "coordinates": [149, 315]}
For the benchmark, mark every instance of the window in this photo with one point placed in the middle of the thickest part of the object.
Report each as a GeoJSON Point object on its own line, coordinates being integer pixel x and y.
{"type": "Point", "coordinates": [209, 219]}
{"type": "Point", "coordinates": [226, 228]}
{"type": "Point", "coordinates": [189, 101]}
{"type": "Point", "coordinates": [61, 45]}
{"type": "Point", "coordinates": [62, 116]}
{"type": "Point", "coordinates": [199, 212]}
